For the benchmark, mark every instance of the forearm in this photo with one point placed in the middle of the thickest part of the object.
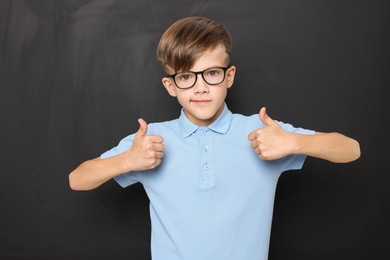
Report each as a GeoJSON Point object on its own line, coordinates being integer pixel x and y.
{"type": "Point", "coordinates": [333, 147]}
{"type": "Point", "coordinates": [93, 173]}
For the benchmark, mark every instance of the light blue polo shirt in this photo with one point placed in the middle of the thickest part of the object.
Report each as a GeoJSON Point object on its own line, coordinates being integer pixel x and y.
{"type": "Point", "coordinates": [211, 198]}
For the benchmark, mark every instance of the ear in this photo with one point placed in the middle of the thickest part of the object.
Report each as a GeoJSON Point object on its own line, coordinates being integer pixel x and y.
{"type": "Point", "coordinates": [169, 86]}
{"type": "Point", "coordinates": [231, 72]}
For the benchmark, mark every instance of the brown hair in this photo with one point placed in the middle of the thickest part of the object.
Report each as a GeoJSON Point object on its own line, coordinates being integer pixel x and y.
{"type": "Point", "coordinates": [186, 39]}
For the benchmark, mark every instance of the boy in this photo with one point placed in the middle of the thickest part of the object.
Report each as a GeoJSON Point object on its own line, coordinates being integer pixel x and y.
{"type": "Point", "coordinates": [210, 175]}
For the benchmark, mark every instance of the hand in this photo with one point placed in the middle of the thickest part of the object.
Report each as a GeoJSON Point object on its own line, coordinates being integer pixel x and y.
{"type": "Point", "coordinates": [270, 142]}
{"type": "Point", "coordinates": [146, 151]}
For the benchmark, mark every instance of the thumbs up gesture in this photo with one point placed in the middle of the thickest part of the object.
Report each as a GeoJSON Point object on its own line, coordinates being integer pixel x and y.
{"type": "Point", "coordinates": [146, 151]}
{"type": "Point", "coordinates": [270, 142]}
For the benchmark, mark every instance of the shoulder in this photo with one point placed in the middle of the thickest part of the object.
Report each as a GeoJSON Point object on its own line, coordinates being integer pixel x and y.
{"type": "Point", "coordinates": [163, 127]}
{"type": "Point", "coordinates": [243, 124]}
{"type": "Point", "coordinates": [252, 122]}
{"type": "Point", "coordinates": [247, 120]}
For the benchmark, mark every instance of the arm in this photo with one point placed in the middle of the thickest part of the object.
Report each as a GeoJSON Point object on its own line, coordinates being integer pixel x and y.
{"type": "Point", "coordinates": [333, 147]}
{"type": "Point", "coordinates": [144, 154]}
{"type": "Point", "coordinates": [272, 142]}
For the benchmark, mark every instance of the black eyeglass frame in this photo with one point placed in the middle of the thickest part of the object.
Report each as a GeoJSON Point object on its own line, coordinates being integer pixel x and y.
{"type": "Point", "coordinates": [201, 73]}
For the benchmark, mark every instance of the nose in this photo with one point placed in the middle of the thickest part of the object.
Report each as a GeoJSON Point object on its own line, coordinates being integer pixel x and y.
{"type": "Point", "coordinates": [201, 86]}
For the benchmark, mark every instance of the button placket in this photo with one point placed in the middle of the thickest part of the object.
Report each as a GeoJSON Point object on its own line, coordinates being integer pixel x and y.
{"type": "Point", "coordinates": [206, 178]}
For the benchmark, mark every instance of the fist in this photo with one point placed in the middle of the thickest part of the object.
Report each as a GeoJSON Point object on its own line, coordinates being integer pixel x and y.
{"type": "Point", "coordinates": [146, 151]}
{"type": "Point", "coordinates": [270, 142]}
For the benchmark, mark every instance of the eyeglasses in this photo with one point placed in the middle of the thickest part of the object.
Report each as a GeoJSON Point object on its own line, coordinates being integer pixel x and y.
{"type": "Point", "coordinates": [187, 79]}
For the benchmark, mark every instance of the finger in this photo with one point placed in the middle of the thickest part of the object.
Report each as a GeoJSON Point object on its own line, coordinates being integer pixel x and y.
{"type": "Point", "coordinates": [252, 135]}
{"type": "Point", "coordinates": [159, 155]}
{"type": "Point", "coordinates": [158, 147]}
{"type": "Point", "coordinates": [155, 139]}
{"type": "Point", "coordinates": [254, 144]}
{"type": "Point", "coordinates": [155, 163]}
{"type": "Point", "coordinates": [143, 128]}
{"type": "Point", "coordinates": [158, 162]}
{"type": "Point", "coordinates": [267, 121]}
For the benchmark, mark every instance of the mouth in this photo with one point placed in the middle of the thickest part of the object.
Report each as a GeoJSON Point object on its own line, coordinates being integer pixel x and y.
{"type": "Point", "coordinates": [200, 101]}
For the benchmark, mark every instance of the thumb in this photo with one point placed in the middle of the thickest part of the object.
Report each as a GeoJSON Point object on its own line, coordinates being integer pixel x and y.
{"type": "Point", "coordinates": [267, 121]}
{"type": "Point", "coordinates": [143, 127]}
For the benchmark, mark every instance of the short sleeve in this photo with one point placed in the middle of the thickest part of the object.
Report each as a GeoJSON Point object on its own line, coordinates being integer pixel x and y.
{"type": "Point", "coordinates": [125, 179]}
{"type": "Point", "coordinates": [294, 161]}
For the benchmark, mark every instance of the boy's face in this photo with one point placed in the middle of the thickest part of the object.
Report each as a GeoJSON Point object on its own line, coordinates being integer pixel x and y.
{"type": "Point", "coordinates": [203, 103]}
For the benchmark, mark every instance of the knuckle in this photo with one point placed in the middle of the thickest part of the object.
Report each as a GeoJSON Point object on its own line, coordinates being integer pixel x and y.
{"type": "Point", "coordinates": [266, 156]}
{"type": "Point", "coordinates": [151, 154]}
{"type": "Point", "coordinates": [152, 163]}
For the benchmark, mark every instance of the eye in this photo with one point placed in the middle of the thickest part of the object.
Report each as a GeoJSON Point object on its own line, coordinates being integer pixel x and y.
{"type": "Point", "coordinates": [184, 76]}
{"type": "Point", "coordinates": [213, 72]}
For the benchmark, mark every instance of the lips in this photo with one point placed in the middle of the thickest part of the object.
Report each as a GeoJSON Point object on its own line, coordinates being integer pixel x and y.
{"type": "Point", "coordinates": [201, 101]}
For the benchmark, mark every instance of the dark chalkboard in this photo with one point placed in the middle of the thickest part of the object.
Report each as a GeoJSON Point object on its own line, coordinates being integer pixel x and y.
{"type": "Point", "coordinates": [76, 75]}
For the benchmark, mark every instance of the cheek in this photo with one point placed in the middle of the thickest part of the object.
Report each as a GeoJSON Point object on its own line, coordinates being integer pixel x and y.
{"type": "Point", "coordinates": [182, 98]}
{"type": "Point", "coordinates": [222, 93]}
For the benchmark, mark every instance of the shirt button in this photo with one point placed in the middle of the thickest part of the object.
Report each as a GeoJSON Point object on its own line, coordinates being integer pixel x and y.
{"type": "Point", "coordinates": [205, 148]}
{"type": "Point", "coordinates": [203, 132]}
{"type": "Point", "coordinates": [206, 166]}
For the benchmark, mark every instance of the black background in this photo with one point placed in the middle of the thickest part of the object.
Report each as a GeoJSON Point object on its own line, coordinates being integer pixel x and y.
{"type": "Point", "coordinates": [75, 76]}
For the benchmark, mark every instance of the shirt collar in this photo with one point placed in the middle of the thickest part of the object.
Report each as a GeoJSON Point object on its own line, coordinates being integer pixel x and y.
{"type": "Point", "coordinates": [221, 125]}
